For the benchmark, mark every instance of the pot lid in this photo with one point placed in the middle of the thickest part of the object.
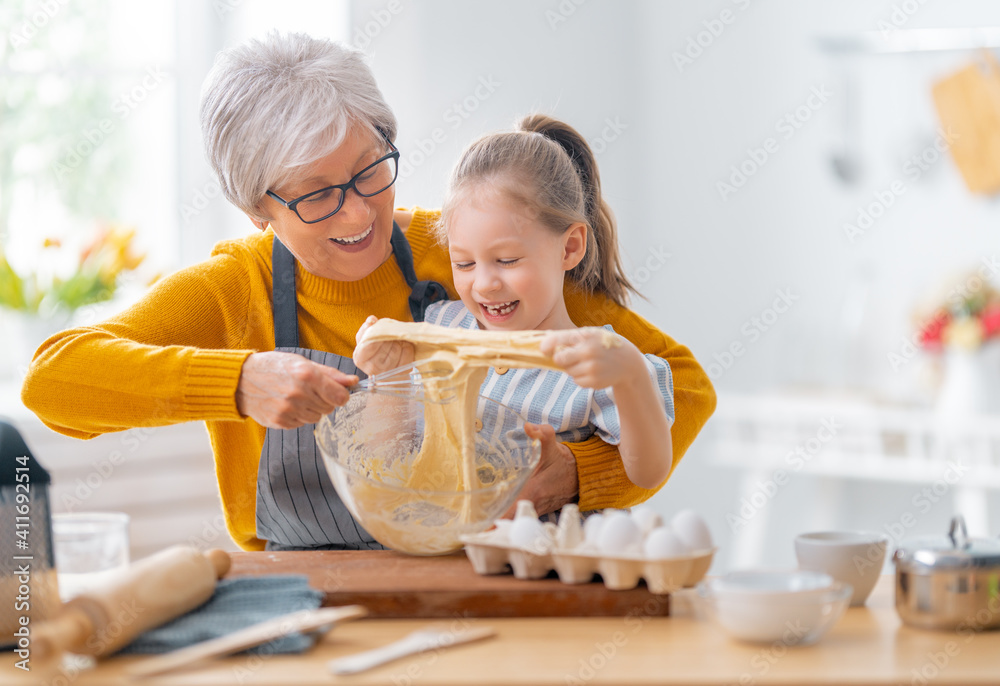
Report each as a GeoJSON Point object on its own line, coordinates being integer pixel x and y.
{"type": "Point", "coordinates": [954, 551]}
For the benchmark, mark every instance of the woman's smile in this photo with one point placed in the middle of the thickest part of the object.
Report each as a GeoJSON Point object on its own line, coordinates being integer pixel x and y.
{"type": "Point", "coordinates": [358, 242]}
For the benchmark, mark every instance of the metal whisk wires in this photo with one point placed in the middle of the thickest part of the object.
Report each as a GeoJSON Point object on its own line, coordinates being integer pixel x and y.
{"type": "Point", "coordinates": [410, 381]}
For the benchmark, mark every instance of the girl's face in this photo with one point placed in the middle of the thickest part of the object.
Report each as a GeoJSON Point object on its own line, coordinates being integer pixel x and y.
{"type": "Point", "coordinates": [508, 267]}
{"type": "Point", "coordinates": [352, 243]}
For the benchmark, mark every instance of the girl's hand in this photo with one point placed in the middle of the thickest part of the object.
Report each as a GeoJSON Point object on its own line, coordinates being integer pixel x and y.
{"type": "Point", "coordinates": [285, 390]}
{"type": "Point", "coordinates": [594, 357]}
{"type": "Point", "coordinates": [374, 358]}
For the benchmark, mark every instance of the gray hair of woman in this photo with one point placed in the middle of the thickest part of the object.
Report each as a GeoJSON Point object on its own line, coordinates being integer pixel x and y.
{"type": "Point", "coordinates": [271, 107]}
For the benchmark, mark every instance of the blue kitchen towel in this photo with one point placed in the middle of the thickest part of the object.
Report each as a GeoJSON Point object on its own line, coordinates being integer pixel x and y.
{"type": "Point", "coordinates": [236, 604]}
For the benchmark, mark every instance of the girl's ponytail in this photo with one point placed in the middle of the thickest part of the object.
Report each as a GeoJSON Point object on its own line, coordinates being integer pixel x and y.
{"type": "Point", "coordinates": [547, 167]}
{"type": "Point", "coordinates": [602, 268]}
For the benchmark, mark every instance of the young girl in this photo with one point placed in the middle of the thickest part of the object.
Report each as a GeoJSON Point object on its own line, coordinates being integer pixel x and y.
{"type": "Point", "coordinates": [523, 212]}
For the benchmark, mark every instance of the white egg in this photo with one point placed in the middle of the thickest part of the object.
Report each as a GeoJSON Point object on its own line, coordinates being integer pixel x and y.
{"type": "Point", "coordinates": [663, 543]}
{"type": "Point", "coordinates": [529, 534]}
{"type": "Point", "coordinates": [502, 531]}
{"type": "Point", "coordinates": [618, 534]}
{"type": "Point", "coordinates": [592, 529]}
{"type": "Point", "coordinates": [569, 534]}
{"type": "Point", "coordinates": [691, 529]}
{"type": "Point", "coordinates": [647, 518]}
{"type": "Point", "coordinates": [525, 508]}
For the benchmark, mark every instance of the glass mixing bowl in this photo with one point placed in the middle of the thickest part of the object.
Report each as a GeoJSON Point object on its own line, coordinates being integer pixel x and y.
{"type": "Point", "coordinates": [369, 446]}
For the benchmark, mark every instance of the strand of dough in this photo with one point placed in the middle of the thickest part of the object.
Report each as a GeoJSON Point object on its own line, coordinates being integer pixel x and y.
{"type": "Point", "coordinates": [474, 347]}
{"type": "Point", "coordinates": [447, 457]}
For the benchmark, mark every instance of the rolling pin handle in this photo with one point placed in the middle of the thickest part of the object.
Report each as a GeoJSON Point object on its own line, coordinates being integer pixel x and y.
{"type": "Point", "coordinates": [220, 560]}
{"type": "Point", "coordinates": [65, 631]}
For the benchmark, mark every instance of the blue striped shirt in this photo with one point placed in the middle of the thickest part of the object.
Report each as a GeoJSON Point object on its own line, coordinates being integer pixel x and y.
{"type": "Point", "coordinates": [544, 396]}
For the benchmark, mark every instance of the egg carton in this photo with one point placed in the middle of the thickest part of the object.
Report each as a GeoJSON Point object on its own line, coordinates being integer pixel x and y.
{"type": "Point", "coordinates": [619, 573]}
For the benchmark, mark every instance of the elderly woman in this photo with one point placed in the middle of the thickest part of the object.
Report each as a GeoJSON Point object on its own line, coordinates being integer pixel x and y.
{"type": "Point", "coordinates": [257, 340]}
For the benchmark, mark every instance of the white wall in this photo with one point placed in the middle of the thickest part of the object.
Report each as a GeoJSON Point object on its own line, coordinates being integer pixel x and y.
{"type": "Point", "coordinates": [599, 61]}
{"type": "Point", "coordinates": [684, 128]}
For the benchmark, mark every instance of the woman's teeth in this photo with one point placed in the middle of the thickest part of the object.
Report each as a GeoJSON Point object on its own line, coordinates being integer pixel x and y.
{"type": "Point", "coordinates": [502, 308]}
{"type": "Point", "coordinates": [354, 239]}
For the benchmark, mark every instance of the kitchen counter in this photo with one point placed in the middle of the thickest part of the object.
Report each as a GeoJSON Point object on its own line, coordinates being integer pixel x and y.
{"type": "Point", "coordinates": [867, 646]}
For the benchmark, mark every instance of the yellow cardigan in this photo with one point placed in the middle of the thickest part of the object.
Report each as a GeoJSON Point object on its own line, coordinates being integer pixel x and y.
{"type": "Point", "coordinates": [176, 356]}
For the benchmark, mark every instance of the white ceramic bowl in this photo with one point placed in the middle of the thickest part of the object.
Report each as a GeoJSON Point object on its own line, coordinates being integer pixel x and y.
{"type": "Point", "coordinates": [854, 557]}
{"type": "Point", "coordinates": [778, 583]}
{"type": "Point", "coordinates": [791, 608]}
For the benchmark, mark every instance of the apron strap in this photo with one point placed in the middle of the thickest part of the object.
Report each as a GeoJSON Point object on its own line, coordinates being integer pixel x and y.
{"type": "Point", "coordinates": [422, 293]}
{"type": "Point", "coordinates": [285, 306]}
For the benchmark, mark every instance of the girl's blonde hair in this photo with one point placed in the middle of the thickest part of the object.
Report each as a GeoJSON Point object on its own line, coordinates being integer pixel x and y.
{"type": "Point", "coordinates": [546, 167]}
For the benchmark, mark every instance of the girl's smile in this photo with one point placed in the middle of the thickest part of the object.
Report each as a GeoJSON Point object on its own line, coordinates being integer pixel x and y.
{"type": "Point", "coordinates": [499, 312]}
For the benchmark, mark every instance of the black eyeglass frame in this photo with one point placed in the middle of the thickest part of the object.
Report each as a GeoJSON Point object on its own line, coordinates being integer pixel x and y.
{"type": "Point", "coordinates": [344, 187]}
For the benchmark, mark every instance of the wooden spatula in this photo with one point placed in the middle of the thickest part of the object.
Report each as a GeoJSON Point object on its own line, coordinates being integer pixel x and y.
{"type": "Point", "coordinates": [257, 634]}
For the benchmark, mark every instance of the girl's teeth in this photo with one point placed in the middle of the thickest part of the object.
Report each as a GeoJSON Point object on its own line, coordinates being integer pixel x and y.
{"type": "Point", "coordinates": [498, 310]}
{"type": "Point", "coordinates": [357, 239]}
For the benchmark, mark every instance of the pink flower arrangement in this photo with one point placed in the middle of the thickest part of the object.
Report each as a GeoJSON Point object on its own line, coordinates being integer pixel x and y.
{"type": "Point", "coordinates": [968, 318]}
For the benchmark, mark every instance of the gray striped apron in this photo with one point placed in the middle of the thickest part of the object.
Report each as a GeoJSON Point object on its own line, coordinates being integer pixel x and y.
{"type": "Point", "coordinates": [297, 505]}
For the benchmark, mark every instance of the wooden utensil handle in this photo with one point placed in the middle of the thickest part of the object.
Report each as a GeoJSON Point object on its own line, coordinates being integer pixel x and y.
{"type": "Point", "coordinates": [220, 560]}
{"type": "Point", "coordinates": [257, 634]}
{"type": "Point", "coordinates": [66, 630]}
{"type": "Point", "coordinates": [148, 593]}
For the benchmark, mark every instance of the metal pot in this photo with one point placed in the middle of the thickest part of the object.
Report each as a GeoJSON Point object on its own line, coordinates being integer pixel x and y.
{"type": "Point", "coordinates": [949, 582]}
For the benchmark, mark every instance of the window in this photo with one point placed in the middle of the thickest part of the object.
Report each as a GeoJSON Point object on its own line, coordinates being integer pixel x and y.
{"type": "Point", "coordinates": [99, 124]}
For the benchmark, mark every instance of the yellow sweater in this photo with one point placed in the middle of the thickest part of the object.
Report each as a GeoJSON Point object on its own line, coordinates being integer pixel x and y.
{"type": "Point", "coordinates": [176, 356]}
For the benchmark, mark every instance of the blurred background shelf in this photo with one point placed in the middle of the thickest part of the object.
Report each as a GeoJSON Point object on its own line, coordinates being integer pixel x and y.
{"type": "Point", "coordinates": [895, 40]}
{"type": "Point", "coordinates": [772, 437]}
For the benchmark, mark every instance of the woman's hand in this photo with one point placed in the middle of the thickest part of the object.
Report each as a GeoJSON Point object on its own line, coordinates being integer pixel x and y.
{"type": "Point", "coordinates": [285, 390]}
{"type": "Point", "coordinates": [375, 358]}
{"type": "Point", "coordinates": [554, 481]}
{"type": "Point", "coordinates": [594, 357]}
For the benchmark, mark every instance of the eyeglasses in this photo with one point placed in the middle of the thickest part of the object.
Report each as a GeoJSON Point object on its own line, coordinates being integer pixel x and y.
{"type": "Point", "coordinates": [326, 202]}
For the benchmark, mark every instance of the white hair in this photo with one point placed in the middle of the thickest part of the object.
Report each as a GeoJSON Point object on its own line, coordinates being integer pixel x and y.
{"type": "Point", "coordinates": [271, 106]}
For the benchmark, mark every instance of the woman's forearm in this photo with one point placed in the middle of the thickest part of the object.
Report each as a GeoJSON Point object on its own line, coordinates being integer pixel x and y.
{"type": "Point", "coordinates": [174, 356]}
{"type": "Point", "coordinates": [88, 382]}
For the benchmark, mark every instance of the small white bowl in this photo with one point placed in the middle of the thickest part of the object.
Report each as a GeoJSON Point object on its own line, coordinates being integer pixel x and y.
{"type": "Point", "coordinates": [772, 582]}
{"type": "Point", "coordinates": [792, 608]}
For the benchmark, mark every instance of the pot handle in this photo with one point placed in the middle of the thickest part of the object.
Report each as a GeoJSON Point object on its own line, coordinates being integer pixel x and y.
{"type": "Point", "coordinates": [958, 534]}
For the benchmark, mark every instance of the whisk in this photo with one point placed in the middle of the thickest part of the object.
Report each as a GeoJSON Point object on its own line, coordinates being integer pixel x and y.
{"type": "Point", "coordinates": [392, 383]}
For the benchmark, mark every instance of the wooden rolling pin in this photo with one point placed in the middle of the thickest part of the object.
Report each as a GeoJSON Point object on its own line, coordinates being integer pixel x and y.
{"type": "Point", "coordinates": [148, 593]}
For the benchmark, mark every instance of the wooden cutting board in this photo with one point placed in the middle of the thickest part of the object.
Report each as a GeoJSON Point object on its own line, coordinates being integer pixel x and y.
{"type": "Point", "coordinates": [391, 584]}
{"type": "Point", "coordinates": [968, 105]}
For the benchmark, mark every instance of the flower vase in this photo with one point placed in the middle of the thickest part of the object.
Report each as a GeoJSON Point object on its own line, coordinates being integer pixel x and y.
{"type": "Point", "coordinates": [971, 383]}
{"type": "Point", "coordinates": [23, 332]}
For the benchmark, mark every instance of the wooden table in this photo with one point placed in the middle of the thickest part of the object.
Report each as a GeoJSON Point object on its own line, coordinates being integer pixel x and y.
{"type": "Point", "coordinates": [867, 646]}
